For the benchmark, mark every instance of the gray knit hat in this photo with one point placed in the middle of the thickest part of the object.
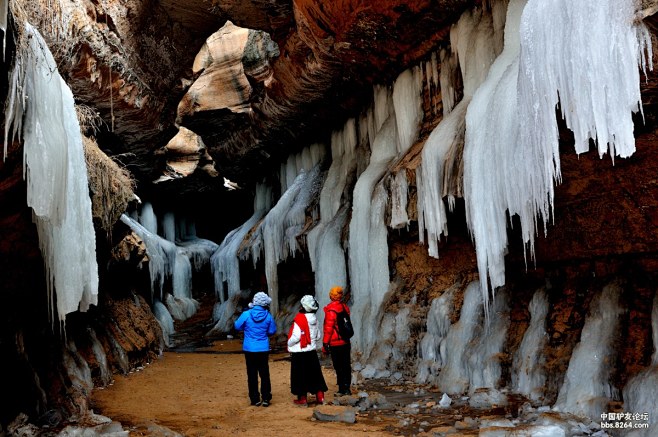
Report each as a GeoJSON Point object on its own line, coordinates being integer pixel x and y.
{"type": "Point", "coordinates": [309, 303]}
{"type": "Point", "coordinates": [261, 299]}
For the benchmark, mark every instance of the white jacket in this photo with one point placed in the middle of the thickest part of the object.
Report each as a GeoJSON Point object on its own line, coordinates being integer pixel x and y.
{"type": "Point", "coordinates": [294, 342]}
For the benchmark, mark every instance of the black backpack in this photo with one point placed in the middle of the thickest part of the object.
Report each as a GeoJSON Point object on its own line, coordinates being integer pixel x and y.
{"type": "Point", "coordinates": [344, 324]}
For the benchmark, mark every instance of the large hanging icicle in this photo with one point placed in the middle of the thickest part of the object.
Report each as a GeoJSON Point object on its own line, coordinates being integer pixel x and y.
{"type": "Point", "coordinates": [41, 108]}
{"type": "Point", "coordinates": [493, 181]}
{"type": "Point", "coordinates": [587, 389]}
{"type": "Point", "coordinates": [473, 39]}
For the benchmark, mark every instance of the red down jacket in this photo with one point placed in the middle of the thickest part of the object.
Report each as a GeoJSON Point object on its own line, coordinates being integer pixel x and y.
{"type": "Point", "coordinates": [331, 335]}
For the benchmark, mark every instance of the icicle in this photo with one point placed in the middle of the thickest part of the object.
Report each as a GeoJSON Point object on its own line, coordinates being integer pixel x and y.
{"type": "Point", "coordinates": [587, 389]}
{"type": "Point", "coordinates": [41, 107]}
{"type": "Point", "coordinates": [528, 374]}
{"type": "Point", "coordinates": [598, 38]}
{"type": "Point", "coordinates": [472, 39]}
{"type": "Point", "coordinates": [493, 181]}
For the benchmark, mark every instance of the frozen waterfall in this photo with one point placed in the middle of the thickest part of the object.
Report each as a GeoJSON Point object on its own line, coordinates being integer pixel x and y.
{"type": "Point", "coordinates": [40, 109]}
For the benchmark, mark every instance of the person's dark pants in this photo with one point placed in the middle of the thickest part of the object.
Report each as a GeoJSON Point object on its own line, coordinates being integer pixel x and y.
{"type": "Point", "coordinates": [257, 365]}
{"type": "Point", "coordinates": [340, 357]}
{"type": "Point", "coordinates": [306, 374]}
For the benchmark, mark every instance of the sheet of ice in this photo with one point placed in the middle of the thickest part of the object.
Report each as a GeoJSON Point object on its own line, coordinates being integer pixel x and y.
{"type": "Point", "coordinates": [40, 110]}
{"type": "Point", "coordinates": [169, 226]}
{"type": "Point", "coordinates": [587, 388]}
{"type": "Point", "coordinates": [408, 104]}
{"type": "Point", "coordinates": [399, 197]}
{"type": "Point", "coordinates": [528, 374]}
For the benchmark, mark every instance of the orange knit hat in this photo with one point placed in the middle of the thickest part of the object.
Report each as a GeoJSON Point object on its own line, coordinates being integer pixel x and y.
{"type": "Point", "coordinates": [336, 293]}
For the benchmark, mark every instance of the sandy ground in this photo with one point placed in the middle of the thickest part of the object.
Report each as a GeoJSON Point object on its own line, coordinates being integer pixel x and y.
{"type": "Point", "coordinates": [204, 393]}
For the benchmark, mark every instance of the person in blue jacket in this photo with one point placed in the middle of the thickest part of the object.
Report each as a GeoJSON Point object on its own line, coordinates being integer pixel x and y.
{"type": "Point", "coordinates": [258, 325]}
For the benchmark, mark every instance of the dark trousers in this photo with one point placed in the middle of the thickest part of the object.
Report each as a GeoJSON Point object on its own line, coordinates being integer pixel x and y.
{"type": "Point", "coordinates": [257, 365]}
{"type": "Point", "coordinates": [340, 357]}
{"type": "Point", "coordinates": [306, 374]}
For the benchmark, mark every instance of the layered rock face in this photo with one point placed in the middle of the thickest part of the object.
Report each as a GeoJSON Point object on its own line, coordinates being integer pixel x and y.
{"type": "Point", "coordinates": [192, 94]}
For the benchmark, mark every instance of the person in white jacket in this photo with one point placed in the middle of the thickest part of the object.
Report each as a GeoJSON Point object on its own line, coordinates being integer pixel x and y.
{"type": "Point", "coordinates": [304, 340]}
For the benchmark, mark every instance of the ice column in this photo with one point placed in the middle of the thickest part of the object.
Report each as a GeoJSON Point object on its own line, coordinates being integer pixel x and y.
{"type": "Point", "coordinates": [40, 106]}
{"type": "Point", "coordinates": [640, 391]}
{"type": "Point", "coordinates": [148, 219]}
{"type": "Point", "coordinates": [368, 248]}
{"type": "Point", "coordinates": [528, 374]}
{"type": "Point", "coordinates": [587, 389]}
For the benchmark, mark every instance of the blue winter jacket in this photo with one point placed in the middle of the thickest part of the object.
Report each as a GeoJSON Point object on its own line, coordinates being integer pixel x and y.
{"type": "Point", "coordinates": [257, 324]}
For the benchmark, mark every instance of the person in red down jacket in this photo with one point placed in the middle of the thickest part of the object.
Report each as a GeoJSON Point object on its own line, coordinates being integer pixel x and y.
{"type": "Point", "coordinates": [303, 344]}
{"type": "Point", "coordinates": [332, 343]}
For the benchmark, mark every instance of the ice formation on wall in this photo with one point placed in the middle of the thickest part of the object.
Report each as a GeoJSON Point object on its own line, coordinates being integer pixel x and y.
{"type": "Point", "coordinates": [640, 391]}
{"type": "Point", "coordinates": [547, 64]}
{"type": "Point", "coordinates": [225, 263]}
{"type": "Point", "coordinates": [368, 246]}
{"type": "Point", "coordinates": [324, 240]}
{"type": "Point", "coordinates": [40, 107]}
{"type": "Point", "coordinates": [148, 219]}
{"type": "Point", "coordinates": [430, 355]}
{"type": "Point", "coordinates": [454, 377]}
{"type": "Point", "coordinates": [474, 40]}
{"type": "Point", "coordinates": [165, 320]}
{"type": "Point", "coordinates": [528, 374]}
{"type": "Point", "coordinates": [587, 389]}
{"type": "Point", "coordinates": [483, 356]}
{"type": "Point", "coordinates": [284, 221]}
{"type": "Point", "coordinates": [493, 180]}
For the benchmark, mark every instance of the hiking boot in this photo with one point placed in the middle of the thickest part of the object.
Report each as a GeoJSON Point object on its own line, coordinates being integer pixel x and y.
{"type": "Point", "coordinates": [320, 398]}
{"type": "Point", "coordinates": [256, 403]}
{"type": "Point", "coordinates": [266, 403]}
{"type": "Point", "coordinates": [301, 401]}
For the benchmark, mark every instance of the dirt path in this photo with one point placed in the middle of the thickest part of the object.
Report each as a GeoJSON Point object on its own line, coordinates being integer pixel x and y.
{"type": "Point", "coordinates": [204, 393]}
{"type": "Point", "coordinates": [200, 389]}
